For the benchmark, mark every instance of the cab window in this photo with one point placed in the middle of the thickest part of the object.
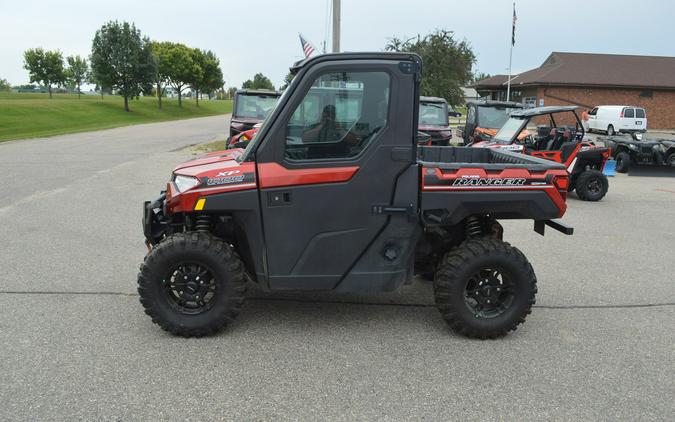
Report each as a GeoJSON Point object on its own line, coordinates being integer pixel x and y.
{"type": "Point", "coordinates": [339, 116]}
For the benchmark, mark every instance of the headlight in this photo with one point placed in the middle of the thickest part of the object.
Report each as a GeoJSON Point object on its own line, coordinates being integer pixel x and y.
{"type": "Point", "coordinates": [631, 146]}
{"type": "Point", "coordinates": [184, 183]}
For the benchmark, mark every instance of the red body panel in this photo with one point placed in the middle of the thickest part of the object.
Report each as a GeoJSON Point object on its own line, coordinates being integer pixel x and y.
{"type": "Point", "coordinates": [553, 182]}
{"type": "Point", "coordinates": [273, 175]}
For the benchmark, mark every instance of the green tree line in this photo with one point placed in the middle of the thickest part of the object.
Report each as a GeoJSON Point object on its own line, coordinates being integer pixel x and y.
{"type": "Point", "coordinates": [125, 61]}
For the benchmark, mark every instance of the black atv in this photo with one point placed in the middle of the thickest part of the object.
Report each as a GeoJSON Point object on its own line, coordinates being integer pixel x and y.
{"type": "Point", "coordinates": [636, 149]}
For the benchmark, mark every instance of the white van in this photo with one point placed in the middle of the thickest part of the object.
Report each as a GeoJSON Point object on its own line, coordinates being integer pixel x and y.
{"type": "Point", "coordinates": [612, 119]}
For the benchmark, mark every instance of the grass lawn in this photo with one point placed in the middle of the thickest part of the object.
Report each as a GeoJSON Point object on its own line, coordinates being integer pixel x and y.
{"type": "Point", "coordinates": [211, 146]}
{"type": "Point", "coordinates": [35, 115]}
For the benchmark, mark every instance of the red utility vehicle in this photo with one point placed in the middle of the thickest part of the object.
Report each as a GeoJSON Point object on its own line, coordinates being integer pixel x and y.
{"type": "Point", "coordinates": [250, 107]}
{"type": "Point", "coordinates": [563, 144]}
{"type": "Point", "coordinates": [434, 121]}
{"type": "Point", "coordinates": [350, 205]}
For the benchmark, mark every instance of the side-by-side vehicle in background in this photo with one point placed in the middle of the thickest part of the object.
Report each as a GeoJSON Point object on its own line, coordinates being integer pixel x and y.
{"type": "Point", "coordinates": [250, 107]}
{"type": "Point", "coordinates": [484, 118]}
{"type": "Point", "coordinates": [434, 121]}
{"type": "Point", "coordinates": [559, 142]}
{"type": "Point", "coordinates": [352, 204]}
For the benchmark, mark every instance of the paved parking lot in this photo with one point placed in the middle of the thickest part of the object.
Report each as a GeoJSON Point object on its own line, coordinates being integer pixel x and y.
{"type": "Point", "coordinates": [75, 343]}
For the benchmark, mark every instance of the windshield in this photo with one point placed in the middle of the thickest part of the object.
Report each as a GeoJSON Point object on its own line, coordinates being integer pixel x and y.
{"type": "Point", "coordinates": [256, 106]}
{"type": "Point", "coordinates": [493, 117]}
{"type": "Point", "coordinates": [433, 114]}
{"type": "Point", "coordinates": [510, 129]}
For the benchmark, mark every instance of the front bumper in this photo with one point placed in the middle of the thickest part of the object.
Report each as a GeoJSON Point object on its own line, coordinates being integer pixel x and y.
{"type": "Point", "coordinates": [154, 222]}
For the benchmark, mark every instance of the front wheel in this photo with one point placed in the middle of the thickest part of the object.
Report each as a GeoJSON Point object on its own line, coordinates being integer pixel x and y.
{"type": "Point", "coordinates": [591, 185]}
{"type": "Point", "coordinates": [484, 288]}
{"type": "Point", "coordinates": [192, 284]}
{"type": "Point", "coordinates": [622, 162]}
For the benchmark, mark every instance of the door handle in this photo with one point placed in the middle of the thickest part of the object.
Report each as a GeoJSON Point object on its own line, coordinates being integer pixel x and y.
{"type": "Point", "coordinates": [279, 198]}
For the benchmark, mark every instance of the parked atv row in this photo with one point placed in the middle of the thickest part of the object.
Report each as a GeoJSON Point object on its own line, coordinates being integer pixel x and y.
{"type": "Point", "coordinates": [637, 149]}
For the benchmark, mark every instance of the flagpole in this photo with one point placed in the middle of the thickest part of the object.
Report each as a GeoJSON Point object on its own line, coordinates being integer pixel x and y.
{"type": "Point", "coordinates": [508, 81]}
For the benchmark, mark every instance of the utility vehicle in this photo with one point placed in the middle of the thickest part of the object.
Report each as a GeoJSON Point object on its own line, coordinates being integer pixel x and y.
{"type": "Point", "coordinates": [484, 118]}
{"type": "Point", "coordinates": [434, 121]}
{"type": "Point", "coordinates": [637, 149]}
{"type": "Point", "coordinates": [250, 107]}
{"type": "Point", "coordinates": [614, 119]}
{"type": "Point", "coordinates": [353, 205]}
{"type": "Point", "coordinates": [561, 143]}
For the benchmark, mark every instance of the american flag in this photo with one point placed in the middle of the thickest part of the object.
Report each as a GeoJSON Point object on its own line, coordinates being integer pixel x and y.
{"type": "Point", "coordinates": [306, 47]}
{"type": "Point", "coordinates": [513, 31]}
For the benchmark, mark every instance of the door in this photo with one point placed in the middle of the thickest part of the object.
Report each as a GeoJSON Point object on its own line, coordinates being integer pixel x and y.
{"type": "Point", "coordinates": [640, 119]}
{"type": "Point", "coordinates": [593, 119]}
{"type": "Point", "coordinates": [627, 119]}
{"type": "Point", "coordinates": [335, 152]}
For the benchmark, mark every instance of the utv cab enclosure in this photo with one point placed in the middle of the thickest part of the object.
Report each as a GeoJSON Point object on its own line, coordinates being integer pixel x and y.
{"type": "Point", "coordinates": [434, 121]}
{"type": "Point", "coordinates": [484, 118]}
{"type": "Point", "coordinates": [341, 198]}
{"type": "Point", "coordinates": [250, 107]}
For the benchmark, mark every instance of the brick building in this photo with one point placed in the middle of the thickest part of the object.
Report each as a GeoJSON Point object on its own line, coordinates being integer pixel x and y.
{"type": "Point", "coordinates": [589, 80]}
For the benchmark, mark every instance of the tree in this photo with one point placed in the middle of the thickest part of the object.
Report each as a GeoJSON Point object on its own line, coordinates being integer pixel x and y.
{"type": "Point", "coordinates": [161, 51]}
{"type": "Point", "coordinates": [259, 81]}
{"type": "Point", "coordinates": [231, 91]}
{"type": "Point", "coordinates": [45, 67]}
{"type": "Point", "coordinates": [5, 85]}
{"type": "Point", "coordinates": [122, 59]}
{"type": "Point", "coordinates": [210, 77]}
{"type": "Point", "coordinates": [446, 63]}
{"type": "Point", "coordinates": [479, 76]}
{"type": "Point", "coordinates": [77, 72]}
{"type": "Point", "coordinates": [287, 81]}
{"type": "Point", "coordinates": [180, 68]}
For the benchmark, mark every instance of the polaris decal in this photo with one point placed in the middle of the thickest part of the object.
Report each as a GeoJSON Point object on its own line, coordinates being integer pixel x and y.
{"type": "Point", "coordinates": [228, 178]}
{"type": "Point", "coordinates": [480, 181]}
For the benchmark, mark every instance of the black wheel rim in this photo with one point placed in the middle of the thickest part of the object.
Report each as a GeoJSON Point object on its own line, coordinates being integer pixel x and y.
{"type": "Point", "coordinates": [489, 293]}
{"type": "Point", "coordinates": [190, 288]}
{"type": "Point", "coordinates": [594, 187]}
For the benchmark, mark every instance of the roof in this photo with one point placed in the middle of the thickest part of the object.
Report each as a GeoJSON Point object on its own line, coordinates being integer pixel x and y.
{"type": "Point", "coordinates": [539, 111]}
{"type": "Point", "coordinates": [604, 70]}
{"type": "Point", "coordinates": [491, 103]}
{"type": "Point", "coordinates": [383, 55]}
{"type": "Point", "coordinates": [247, 91]}
{"type": "Point", "coordinates": [432, 100]}
{"type": "Point", "coordinates": [495, 81]}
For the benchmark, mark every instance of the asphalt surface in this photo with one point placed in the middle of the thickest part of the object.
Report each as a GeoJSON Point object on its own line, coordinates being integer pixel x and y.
{"type": "Point", "coordinates": [75, 343]}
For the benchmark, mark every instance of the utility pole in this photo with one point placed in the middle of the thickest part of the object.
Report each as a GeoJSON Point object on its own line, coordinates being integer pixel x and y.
{"type": "Point", "coordinates": [336, 26]}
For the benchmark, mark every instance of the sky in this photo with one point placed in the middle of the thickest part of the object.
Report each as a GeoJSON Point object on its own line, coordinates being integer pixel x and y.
{"type": "Point", "coordinates": [251, 36]}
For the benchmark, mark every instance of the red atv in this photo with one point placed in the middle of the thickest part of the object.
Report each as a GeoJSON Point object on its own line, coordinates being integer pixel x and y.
{"type": "Point", "coordinates": [350, 204]}
{"type": "Point", "coordinates": [564, 144]}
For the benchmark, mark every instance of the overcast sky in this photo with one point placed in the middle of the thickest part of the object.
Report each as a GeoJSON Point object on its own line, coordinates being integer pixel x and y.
{"type": "Point", "coordinates": [251, 36]}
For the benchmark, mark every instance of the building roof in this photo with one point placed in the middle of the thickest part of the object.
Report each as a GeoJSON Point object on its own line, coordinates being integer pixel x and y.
{"type": "Point", "coordinates": [495, 81]}
{"type": "Point", "coordinates": [600, 70]}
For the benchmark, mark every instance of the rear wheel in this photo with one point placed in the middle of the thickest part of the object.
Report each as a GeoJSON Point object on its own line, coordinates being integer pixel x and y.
{"type": "Point", "coordinates": [484, 288]}
{"type": "Point", "coordinates": [622, 162]}
{"type": "Point", "coordinates": [610, 130]}
{"type": "Point", "coordinates": [591, 185]}
{"type": "Point", "coordinates": [192, 284]}
{"type": "Point", "coordinates": [671, 160]}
